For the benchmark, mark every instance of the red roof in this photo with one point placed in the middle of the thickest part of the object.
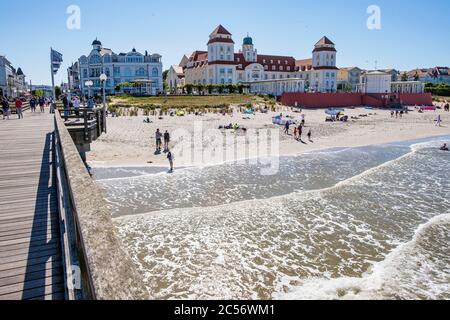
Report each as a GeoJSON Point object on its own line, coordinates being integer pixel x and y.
{"type": "Point", "coordinates": [221, 30]}
{"type": "Point", "coordinates": [324, 41]}
{"type": "Point", "coordinates": [324, 49]}
{"type": "Point", "coordinates": [305, 64]}
{"type": "Point", "coordinates": [220, 40]}
{"type": "Point", "coordinates": [326, 68]}
{"type": "Point", "coordinates": [280, 63]}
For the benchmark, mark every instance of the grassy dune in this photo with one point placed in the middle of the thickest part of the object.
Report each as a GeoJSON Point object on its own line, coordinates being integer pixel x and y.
{"type": "Point", "coordinates": [184, 101]}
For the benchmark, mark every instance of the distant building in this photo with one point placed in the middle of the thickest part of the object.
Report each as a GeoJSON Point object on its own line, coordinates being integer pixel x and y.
{"type": "Point", "coordinates": [48, 90]}
{"type": "Point", "coordinates": [176, 77]}
{"type": "Point", "coordinates": [130, 73]}
{"type": "Point", "coordinates": [349, 76]}
{"type": "Point", "coordinates": [375, 82]}
{"type": "Point", "coordinates": [12, 81]}
{"type": "Point", "coordinates": [441, 75]}
{"type": "Point", "coordinates": [378, 82]}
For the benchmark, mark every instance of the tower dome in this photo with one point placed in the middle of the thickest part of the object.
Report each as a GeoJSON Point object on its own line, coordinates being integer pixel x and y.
{"type": "Point", "coordinates": [96, 42]}
{"type": "Point", "coordinates": [248, 41]}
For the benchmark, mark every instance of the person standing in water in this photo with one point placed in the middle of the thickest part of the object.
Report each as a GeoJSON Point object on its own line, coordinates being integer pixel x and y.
{"type": "Point", "coordinates": [170, 158]}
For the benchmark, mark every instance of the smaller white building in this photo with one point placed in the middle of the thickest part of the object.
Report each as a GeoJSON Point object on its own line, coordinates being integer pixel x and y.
{"type": "Point", "coordinates": [276, 87]}
{"type": "Point", "coordinates": [407, 87]}
{"type": "Point", "coordinates": [175, 79]}
{"type": "Point", "coordinates": [375, 82]}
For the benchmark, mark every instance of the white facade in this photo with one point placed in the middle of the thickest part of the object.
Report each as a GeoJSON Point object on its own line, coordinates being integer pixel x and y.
{"type": "Point", "coordinates": [120, 68]}
{"type": "Point", "coordinates": [175, 79]}
{"type": "Point", "coordinates": [277, 87]}
{"type": "Point", "coordinates": [375, 82]}
{"type": "Point", "coordinates": [12, 81]}
{"type": "Point", "coordinates": [407, 87]}
{"type": "Point", "coordinates": [221, 65]}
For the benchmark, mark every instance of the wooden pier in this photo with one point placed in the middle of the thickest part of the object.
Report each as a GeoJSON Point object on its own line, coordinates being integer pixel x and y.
{"type": "Point", "coordinates": [30, 243]}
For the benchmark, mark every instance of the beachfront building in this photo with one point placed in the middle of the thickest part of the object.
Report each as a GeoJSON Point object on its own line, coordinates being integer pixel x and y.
{"type": "Point", "coordinates": [381, 82]}
{"type": "Point", "coordinates": [324, 70]}
{"type": "Point", "coordinates": [175, 80]}
{"type": "Point", "coordinates": [12, 81]}
{"type": "Point", "coordinates": [375, 82]}
{"type": "Point", "coordinates": [220, 64]}
{"type": "Point", "coordinates": [349, 77]}
{"type": "Point", "coordinates": [407, 87]}
{"type": "Point", "coordinates": [73, 77]}
{"type": "Point", "coordinates": [131, 73]}
{"type": "Point", "coordinates": [276, 87]}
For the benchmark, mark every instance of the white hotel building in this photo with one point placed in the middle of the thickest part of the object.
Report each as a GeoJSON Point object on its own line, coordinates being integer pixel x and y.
{"type": "Point", "coordinates": [128, 67]}
{"type": "Point", "coordinates": [221, 65]}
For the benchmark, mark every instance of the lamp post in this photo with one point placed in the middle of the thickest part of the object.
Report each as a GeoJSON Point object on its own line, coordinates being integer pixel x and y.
{"type": "Point", "coordinates": [103, 78]}
{"type": "Point", "coordinates": [89, 84]}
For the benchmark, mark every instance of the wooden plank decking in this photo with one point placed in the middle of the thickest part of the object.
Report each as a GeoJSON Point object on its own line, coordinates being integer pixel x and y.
{"type": "Point", "coordinates": [30, 249]}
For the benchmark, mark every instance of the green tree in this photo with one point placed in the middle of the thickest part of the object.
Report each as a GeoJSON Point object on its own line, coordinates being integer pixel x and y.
{"type": "Point", "coordinates": [210, 88]}
{"type": "Point", "coordinates": [189, 88]}
{"type": "Point", "coordinates": [57, 91]}
{"type": "Point", "coordinates": [416, 76]}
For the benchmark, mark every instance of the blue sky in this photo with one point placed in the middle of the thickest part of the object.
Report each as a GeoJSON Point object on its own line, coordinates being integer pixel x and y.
{"type": "Point", "coordinates": [414, 33]}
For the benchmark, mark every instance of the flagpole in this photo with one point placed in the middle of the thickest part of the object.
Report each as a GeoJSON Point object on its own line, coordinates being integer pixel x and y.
{"type": "Point", "coordinates": [53, 76]}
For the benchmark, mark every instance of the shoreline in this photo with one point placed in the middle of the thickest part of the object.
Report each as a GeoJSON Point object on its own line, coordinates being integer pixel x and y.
{"type": "Point", "coordinates": [163, 169]}
{"type": "Point", "coordinates": [130, 142]}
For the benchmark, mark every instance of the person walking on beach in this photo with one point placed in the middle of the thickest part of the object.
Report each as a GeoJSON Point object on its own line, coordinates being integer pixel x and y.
{"type": "Point", "coordinates": [19, 105]}
{"type": "Point", "coordinates": [438, 121]}
{"type": "Point", "coordinates": [158, 137]}
{"type": "Point", "coordinates": [300, 132]}
{"type": "Point", "coordinates": [33, 103]}
{"type": "Point", "coordinates": [166, 141]}
{"type": "Point", "coordinates": [170, 158]}
{"type": "Point", "coordinates": [5, 108]}
{"type": "Point", "coordinates": [286, 127]}
{"type": "Point", "coordinates": [396, 113]}
{"type": "Point", "coordinates": [310, 135]}
{"type": "Point", "coordinates": [303, 119]}
{"type": "Point", "coordinates": [295, 133]}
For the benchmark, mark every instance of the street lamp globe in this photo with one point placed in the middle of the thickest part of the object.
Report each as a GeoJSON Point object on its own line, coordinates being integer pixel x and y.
{"type": "Point", "coordinates": [89, 83]}
{"type": "Point", "coordinates": [103, 77]}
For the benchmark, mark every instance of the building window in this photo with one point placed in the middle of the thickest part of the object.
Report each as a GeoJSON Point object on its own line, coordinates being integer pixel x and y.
{"type": "Point", "coordinates": [155, 72]}
{"type": "Point", "coordinates": [274, 68]}
{"type": "Point", "coordinates": [281, 68]}
{"type": "Point", "coordinates": [288, 68]}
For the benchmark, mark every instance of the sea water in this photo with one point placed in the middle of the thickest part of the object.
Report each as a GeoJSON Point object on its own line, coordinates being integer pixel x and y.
{"type": "Point", "coordinates": [356, 223]}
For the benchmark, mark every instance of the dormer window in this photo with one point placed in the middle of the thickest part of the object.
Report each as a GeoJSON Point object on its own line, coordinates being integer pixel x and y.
{"type": "Point", "coordinates": [264, 60]}
{"type": "Point", "coordinates": [279, 62]}
{"type": "Point", "coordinates": [285, 62]}
{"type": "Point", "coordinates": [271, 61]}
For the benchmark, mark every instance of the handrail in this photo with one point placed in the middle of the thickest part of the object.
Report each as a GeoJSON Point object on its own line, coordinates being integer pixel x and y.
{"type": "Point", "coordinates": [107, 270]}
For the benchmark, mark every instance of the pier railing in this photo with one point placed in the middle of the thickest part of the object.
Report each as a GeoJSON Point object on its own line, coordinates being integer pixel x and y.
{"type": "Point", "coordinates": [94, 256]}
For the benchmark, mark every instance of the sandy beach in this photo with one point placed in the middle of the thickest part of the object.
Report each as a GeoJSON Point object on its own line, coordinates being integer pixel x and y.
{"type": "Point", "coordinates": [131, 142]}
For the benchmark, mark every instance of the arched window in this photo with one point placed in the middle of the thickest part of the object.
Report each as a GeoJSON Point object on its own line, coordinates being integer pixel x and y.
{"type": "Point", "coordinates": [140, 72]}
{"type": "Point", "coordinates": [95, 59]}
{"type": "Point", "coordinates": [155, 72]}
